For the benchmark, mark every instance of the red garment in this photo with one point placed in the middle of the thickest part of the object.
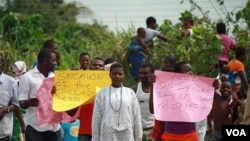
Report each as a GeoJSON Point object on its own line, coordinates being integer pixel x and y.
{"type": "Point", "coordinates": [191, 136]}
{"type": "Point", "coordinates": [86, 119]}
{"type": "Point", "coordinates": [157, 130]}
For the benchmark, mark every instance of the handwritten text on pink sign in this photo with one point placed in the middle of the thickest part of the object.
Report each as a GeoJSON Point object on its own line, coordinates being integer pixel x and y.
{"type": "Point", "coordinates": [182, 97]}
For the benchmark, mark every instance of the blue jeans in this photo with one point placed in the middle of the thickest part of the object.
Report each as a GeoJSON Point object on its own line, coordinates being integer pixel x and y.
{"type": "Point", "coordinates": [33, 135]}
{"type": "Point", "coordinates": [83, 137]}
{"type": "Point", "coordinates": [136, 59]}
{"type": "Point", "coordinates": [5, 139]}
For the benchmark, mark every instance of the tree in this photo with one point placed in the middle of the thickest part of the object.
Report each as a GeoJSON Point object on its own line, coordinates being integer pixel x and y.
{"type": "Point", "coordinates": [55, 12]}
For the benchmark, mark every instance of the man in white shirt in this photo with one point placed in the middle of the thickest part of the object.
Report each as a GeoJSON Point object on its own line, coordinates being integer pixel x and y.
{"type": "Point", "coordinates": [29, 84]}
{"type": "Point", "coordinates": [8, 103]}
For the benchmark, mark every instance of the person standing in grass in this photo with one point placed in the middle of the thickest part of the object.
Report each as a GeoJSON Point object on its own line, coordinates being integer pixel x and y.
{"type": "Point", "coordinates": [116, 115]}
{"type": "Point", "coordinates": [51, 45]}
{"type": "Point", "coordinates": [29, 85]}
{"type": "Point", "coordinates": [237, 76]}
{"type": "Point", "coordinates": [188, 23]}
{"type": "Point", "coordinates": [19, 68]}
{"type": "Point", "coordinates": [138, 52]}
{"type": "Point", "coordinates": [84, 60]}
{"type": "Point", "coordinates": [8, 102]}
{"type": "Point", "coordinates": [142, 91]}
{"type": "Point", "coordinates": [151, 32]}
{"type": "Point", "coordinates": [227, 42]}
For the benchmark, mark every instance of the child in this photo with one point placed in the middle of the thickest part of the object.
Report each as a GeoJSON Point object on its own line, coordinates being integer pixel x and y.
{"type": "Point", "coordinates": [227, 42]}
{"type": "Point", "coordinates": [138, 52]}
{"type": "Point", "coordinates": [187, 24]}
{"type": "Point", "coordinates": [222, 110]}
{"type": "Point", "coordinates": [84, 61]}
{"type": "Point", "coordinates": [151, 32]}
{"type": "Point", "coordinates": [70, 130]}
{"type": "Point", "coordinates": [137, 43]}
{"type": "Point", "coordinates": [117, 115]}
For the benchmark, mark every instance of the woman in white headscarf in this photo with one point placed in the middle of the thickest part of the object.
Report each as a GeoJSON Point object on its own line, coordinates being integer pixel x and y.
{"type": "Point", "coordinates": [18, 68]}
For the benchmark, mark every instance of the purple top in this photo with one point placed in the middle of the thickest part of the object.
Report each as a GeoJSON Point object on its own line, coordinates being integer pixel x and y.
{"type": "Point", "coordinates": [179, 127]}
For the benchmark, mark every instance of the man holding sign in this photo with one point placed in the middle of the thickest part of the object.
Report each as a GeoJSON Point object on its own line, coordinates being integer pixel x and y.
{"type": "Point", "coordinates": [29, 85]}
{"type": "Point", "coordinates": [178, 99]}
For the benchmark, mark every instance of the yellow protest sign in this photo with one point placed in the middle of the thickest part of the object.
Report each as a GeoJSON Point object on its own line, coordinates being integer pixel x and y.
{"type": "Point", "coordinates": [74, 88]}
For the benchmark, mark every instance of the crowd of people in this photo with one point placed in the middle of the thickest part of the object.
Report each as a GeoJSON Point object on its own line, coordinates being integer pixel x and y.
{"type": "Point", "coordinates": [122, 113]}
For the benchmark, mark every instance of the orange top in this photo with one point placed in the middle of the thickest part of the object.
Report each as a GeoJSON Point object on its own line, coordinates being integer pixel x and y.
{"type": "Point", "coordinates": [86, 119]}
{"type": "Point", "coordinates": [235, 65]}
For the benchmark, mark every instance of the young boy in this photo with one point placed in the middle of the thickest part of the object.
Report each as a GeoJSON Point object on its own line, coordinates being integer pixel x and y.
{"type": "Point", "coordinates": [222, 111]}
{"type": "Point", "coordinates": [187, 24]}
{"type": "Point", "coordinates": [138, 52]}
{"type": "Point", "coordinates": [151, 32]}
{"type": "Point", "coordinates": [84, 61]}
{"type": "Point", "coordinates": [117, 115]}
{"type": "Point", "coordinates": [227, 42]}
{"type": "Point", "coordinates": [137, 43]}
{"type": "Point", "coordinates": [70, 130]}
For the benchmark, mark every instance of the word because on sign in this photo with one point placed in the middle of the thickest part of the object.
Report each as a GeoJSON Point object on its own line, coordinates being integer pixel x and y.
{"type": "Point", "coordinates": [74, 88]}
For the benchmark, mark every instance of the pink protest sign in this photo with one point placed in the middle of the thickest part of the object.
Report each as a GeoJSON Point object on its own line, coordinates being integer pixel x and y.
{"type": "Point", "coordinates": [182, 97]}
{"type": "Point", "coordinates": [45, 114]}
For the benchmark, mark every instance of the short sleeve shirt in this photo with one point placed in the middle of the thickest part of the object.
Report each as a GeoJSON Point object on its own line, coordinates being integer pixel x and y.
{"type": "Point", "coordinates": [8, 95]}
{"type": "Point", "coordinates": [29, 84]}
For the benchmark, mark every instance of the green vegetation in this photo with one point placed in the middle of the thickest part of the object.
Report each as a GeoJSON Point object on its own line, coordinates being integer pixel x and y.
{"type": "Point", "coordinates": [26, 24]}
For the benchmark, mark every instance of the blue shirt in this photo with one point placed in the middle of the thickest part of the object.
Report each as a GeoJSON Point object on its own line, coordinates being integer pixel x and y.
{"type": "Point", "coordinates": [70, 130]}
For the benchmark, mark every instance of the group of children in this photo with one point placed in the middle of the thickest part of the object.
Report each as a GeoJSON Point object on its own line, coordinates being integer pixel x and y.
{"type": "Point", "coordinates": [140, 46]}
{"type": "Point", "coordinates": [227, 98]}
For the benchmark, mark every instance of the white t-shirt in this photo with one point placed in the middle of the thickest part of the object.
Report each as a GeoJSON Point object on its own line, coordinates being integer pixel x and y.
{"type": "Point", "coordinates": [150, 34]}
{"type": "Point", "coordinates": [29, 84]}
{"type": "Point", "coordinates": [8, 94]}
{"type": "Point", "coordinates": [143, 98]}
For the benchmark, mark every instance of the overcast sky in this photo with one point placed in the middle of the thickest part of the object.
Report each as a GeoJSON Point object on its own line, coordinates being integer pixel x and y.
{"type": "Point", "coordinates": [120, 14]}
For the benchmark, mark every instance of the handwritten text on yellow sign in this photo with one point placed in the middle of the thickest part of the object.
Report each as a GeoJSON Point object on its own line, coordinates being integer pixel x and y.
{"type": "Point", "coordinates": [74, 88]}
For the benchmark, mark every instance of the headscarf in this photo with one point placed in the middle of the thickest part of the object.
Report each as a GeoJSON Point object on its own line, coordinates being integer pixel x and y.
{"type": "Point", "coordinates": [19, 68]}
